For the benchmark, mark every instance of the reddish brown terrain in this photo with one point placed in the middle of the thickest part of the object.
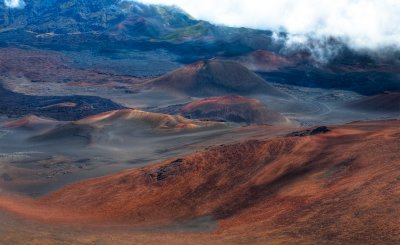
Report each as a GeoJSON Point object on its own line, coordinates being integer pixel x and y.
{"type": "Point", "coordinates": [153, 120]}
{"type": "Point", "coordinates": [237, 108]}
{"type": "Point", "coordinates": [215, 77]}
{"type": "Point", "coordinates": [122, 123]}
{"type": "Point", "coordinates": [31, 122]}
{"type": "Point", "coordinates": [335, 187]}
{"type": "Point", "coordinates": [386, 102]}
{"type": "Point", "coordinates": [53, 67]}
{"type": "Point", "coordinates": [265, 61]}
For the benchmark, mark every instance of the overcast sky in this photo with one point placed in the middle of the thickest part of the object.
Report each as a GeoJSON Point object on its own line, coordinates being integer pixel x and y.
{"type": "Point", "coordinates": [364, 23]}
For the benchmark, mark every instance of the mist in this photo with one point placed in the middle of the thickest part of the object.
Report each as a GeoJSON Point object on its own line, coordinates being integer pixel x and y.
{"type": "Point", "coordinates": [368, 26]}
{"type": "Point", "coordinates": [14, 3]}
{"type": "Point", "coordinates": [361, 24]}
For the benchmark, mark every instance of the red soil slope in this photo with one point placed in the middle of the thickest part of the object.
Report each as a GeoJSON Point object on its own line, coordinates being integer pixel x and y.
{"type": "Point", "coordinates": [232, 108]}
{"type": "Point", "coordinates": [124, 124]}
{"type": "Point", "coordinates": [265, 61]}
{"type": "Point", "coordinates": [339, 187]}
{"type": "Point", "coordinates": [31, 122]}
{"type": "Point", "coordinates": [214, 78]}
{"type": "Point", "coordinates": [152, 120]}
{"type": "Point", "coordinates": [386, 102]}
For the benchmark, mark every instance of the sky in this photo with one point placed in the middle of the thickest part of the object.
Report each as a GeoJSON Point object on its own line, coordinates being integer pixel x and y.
{"type": "Point", "coordinates": [363, 24]}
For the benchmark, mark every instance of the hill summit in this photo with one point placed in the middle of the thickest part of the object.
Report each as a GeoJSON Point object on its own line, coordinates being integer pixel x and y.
{"type": "Point", "coordinates": [214, 78]}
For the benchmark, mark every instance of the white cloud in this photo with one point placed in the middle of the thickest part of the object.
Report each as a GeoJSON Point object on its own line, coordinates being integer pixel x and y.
{"type": "Point", "coordinates": [363, 24]}
{"type": "Point", "coordinates": [14, 3]}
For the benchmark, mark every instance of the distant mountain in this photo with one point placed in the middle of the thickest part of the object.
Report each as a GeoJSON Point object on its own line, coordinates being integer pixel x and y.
{"type": "Point", "coordinates": [61, 24]}
{"type": "Point", "coordinates": [110, 27]}
{"type": "Point", "coordinates": [113, 16]}
{"type": "Point", "coordinates": [367, 77]}
{"type": "Point", "coordinates": [213, 78]}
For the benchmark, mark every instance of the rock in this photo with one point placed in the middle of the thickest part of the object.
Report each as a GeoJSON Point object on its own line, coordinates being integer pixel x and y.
{"type": "Point", "coordinates": [168, 170]}
{"type": "Point", "coordinates": [6, 177]}
{"type": "Point", "coordinates": [308, 132]}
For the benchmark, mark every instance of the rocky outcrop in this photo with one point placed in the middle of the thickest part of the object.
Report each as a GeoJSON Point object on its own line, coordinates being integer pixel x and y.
{"type": "Point", "coordinates": [309, 132]}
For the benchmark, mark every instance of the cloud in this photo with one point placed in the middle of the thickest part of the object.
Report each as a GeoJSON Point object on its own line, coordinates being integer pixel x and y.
{"type": "Point", "coordinates": [362, 24]}
{"type": "Point", "coordinates": [14, 3]}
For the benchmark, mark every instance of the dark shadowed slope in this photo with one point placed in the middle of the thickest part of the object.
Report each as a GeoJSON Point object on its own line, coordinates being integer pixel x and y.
{"type": "Point", "coordinates": [233, 109]}
{"type": "Point", "coordinates": [64, 108]}
{"type": "Point", "coordinates": [213, 78]}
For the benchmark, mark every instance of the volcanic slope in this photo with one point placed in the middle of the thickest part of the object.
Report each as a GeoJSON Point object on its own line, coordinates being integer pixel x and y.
{"type": "Point", "coordinates": [31, 122]}
{"type": "Point", "coordinates": [122, 123]}
{"type": "Point", "coordinates": [265, 61]}
{"type": "Point", "coordinates": [335, 187]}
{"type": "Point", "coordinates": [233, 108]}
{"type": "Point", "coordinates": [215, 78]}
{"type": "Point", "coordinates": [386, 102]}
